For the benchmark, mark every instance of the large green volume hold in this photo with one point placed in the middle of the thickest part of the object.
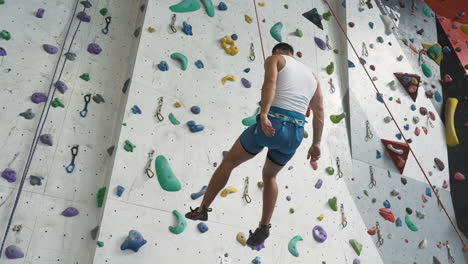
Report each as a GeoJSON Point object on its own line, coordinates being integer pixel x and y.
{"type": "Point", "coordinates": [209, 7]}
{"type": "Point", "coordinates": [185, 6]}
{"type": "Point", "coordinates": [275, 31]}
{"type": "Point", "coordinates": [166, 177]}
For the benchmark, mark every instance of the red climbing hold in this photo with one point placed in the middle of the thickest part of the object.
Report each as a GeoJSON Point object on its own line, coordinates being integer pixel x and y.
{"type": "Point", "coordinates": [387, 214]}
{"type": "Point", "coordinates": [351, 24]}
{"type": "Point", "coordinates": [299, 54]}
{"type": "Point", "coordinates": [314, 165]}
{"type": "Point", "coordinates": [459, 177]}
{"type": "Point", "coordinates": [398, 151]}
{"type": "Point", "coordinates": [410, 82]}
{"type": "Point", "coordinates": [372, 231]}
{"type": "Point", "coordinates": [447, 78]}
{"type": "Point", "coordinates": [372, 67]}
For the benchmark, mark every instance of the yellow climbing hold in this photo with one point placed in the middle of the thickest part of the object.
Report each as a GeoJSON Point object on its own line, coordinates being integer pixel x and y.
{"type": "Point", "coordinates": [229, 77]}
{"type": "Point", "coordinates": [177, 105]}
{"type": "Point", "coordinates": [227, 191]}
{"type": "Point", "coordinates": [434, 52]}
{"type": "Point", "coordinates": [450, 132]}
{"type": "Point", "coordinates": [248, 19]}
{"type": "Point", "coordinates": [261, 3]}
{"type": "Point", "coordinates": [229, 45]}
{"type": "Point", "coordinates": [464, 28]}
{"type": "Point", "coordinates": [320, 217]}
{"type": "Point", "coordinates": [151, 29]}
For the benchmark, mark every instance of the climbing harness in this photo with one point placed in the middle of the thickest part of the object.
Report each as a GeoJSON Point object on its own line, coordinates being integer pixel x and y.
{"type": "Point", "coordinates": [339, 173]}
{"type": "Point", "coordinates": [380, 239]}
{"type": "Point", "coordinates": [369, 134]}
{"type": "Point", "coordinates": [327, 40]}
{"type": "Point", "coordinates": [172, 25]}
{"type": "Point", "coordinates": [148, 171]}
{"type": "Point", "coordinates": [158, 111]}
{"type": "Point", "coordinates": [252, 52]}
{"type": "Point", "coordinates": [74, 151]}
{"type": "Point", "coordinates": [106, 29]}
{"type": "Point", "coordinates": [344, 223]}
{"type": "Point", "coordinates": [449, 253]}
{"type": "Point", "coordinates": [246, 195]}
{"type": "Point", "coordinates": [373, 182]}
{"type": "Point", "coordinates": [332, 86]}
{"type": "Point", "coordinates": [87, 99]}
{"type": "Point", "coordinates": [365, 53]}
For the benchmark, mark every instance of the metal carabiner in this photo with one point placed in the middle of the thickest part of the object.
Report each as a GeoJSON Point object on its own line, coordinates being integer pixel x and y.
{"type": "Point", "coordinates": [369, 134]}
{"type": "Point", "coordinates": [449, 253]}
{"type": "Point", "coordinates": [87, 99]}
{"type": "Point", "coordinates": [148, 171]}
{"type": "Point", "coordinates": [332, 86]}
{"type": "Point", "coordinates": [327, 41]}
{"type": "Point", "coordinates": [373, 182]}
{"type": "Point", "coordinates": [106, 29]}
{"type": "Point", "coordinates": [365, 53]}
{"type": "Point", "coordinates": [172, 25]}
{"type": "Point", "coordinates": [74, 151]}
{"type": "Point", "coordinates": [338, 168]}
{"type": "Point", "coordinates": [252, 52]}
{"type": "Point", "coordinates": [344, 223]}
{"type": "Point", "coordinates": [158, 111]}
{"type": "Point", "coordinates": [246, 195]}
{"type": "Point", "coordinates": [380, 239]}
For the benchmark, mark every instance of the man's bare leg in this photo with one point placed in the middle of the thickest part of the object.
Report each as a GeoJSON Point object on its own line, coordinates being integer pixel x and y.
{"type": "Point", "coordinates": [270, 190]}
{"type": "Point", "coordinates": [236, 156]}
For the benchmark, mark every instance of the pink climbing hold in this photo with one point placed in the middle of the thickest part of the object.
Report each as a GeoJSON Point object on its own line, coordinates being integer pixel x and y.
{"type": "Point", "coordinates": [459, 177]}
{"type": "Point", "coordinates": [314, 165]}
{"type": "Point", "coordinates": [417, 131]}
{"type": "Point", "coordinates": [299, 54]}
{"type": "Point", "coordinates": [440, 165]}
{"type": "Point", "coordinates": [432, 115]}
{"type": "Point", "coordinates": [445, 184]}
{"type": "Point", "coordinates": [447, 78]}
{"type": "Point", "coordinates": [372, 67]}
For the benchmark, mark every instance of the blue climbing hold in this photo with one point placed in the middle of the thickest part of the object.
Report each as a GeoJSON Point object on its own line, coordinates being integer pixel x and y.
{"type": "Point", "coordinates": [343, 3]}
{"type": "Point", "coordinates": [406, 80]}
{"type": "Point", "coordinates": [378, 155]}
{"type": "Point", "coordinates": [413, 107]}
{"type": "Point", "coordinates": [197, 195]}
{"type": "Point", "coordinates": [193, 127]}
{"type": "Point", "coordinates": [134, 241]}
{"type": "Point", "coordinates": [454, 26]}
{"type": "Point", "coordinates": [428, 192]}
{"type": "Point", "coordinates": [163, 66]}
{"type": "Point", "coordinates": [446, 49]}
{"type": "Point", "coordinates": [195, 109]}
{"type": "Point", "coordinates": [222, 6]}
{"type": "Point", "coordinates": [380, 39]}
{"type": "Point", "coordinates": [398, 222]}
{"type": "Point", "coordinates": [379, 97]}
{"type": "Point", "coordinates": [187, 28]}
{"type": "Point", "coordinates": [136, 109]}
{"type": "Point", "coordinates": [411, 40]}
{"type": "Point", "coordinates": [398, 135]}
{"type": "Point", "coordinates": [438, 97]}
{"type": "Point", "coordinates": [406, 127]}
{"type": "Point", "coordinates": [371, 25]}
{"type": "Point", "coordinates": [386, 204]}
{"type": "Point", "coordinates": [199, 64]}
{"type": "Point", "coordinates": [351, 64]}
{"type": "Point", "coordinates": [202, 227]}
{"type": "Point", "coordinates": [256, 260]}
{"type": "Point", "coordinates": [120, 190]}
{"type": "Point", "coordinates": [247, 70]}
{"type": "Point", "coordinates": [234, 37]}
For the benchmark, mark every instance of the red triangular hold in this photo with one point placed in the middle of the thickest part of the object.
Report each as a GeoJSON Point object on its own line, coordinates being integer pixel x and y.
{"type": "Point", "coordinates": [398, 160]}
{"type": "Point", "coordinates": [410, 82]}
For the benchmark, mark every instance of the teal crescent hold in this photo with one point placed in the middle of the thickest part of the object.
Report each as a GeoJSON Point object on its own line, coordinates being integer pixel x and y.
{"type": "Point", "coordinates": [210, 10]}
{"type": "Point", "coordinates": [275, 31]}
{"type": "Point", "coordinates": [181, 225]}
{"type": "Point", "coordinates": [185, 6]}
{"type": "Point", "coordinates": [166, 177]}
{"type": "Point", "coordinates": [180, 57]}
{"type": "Point", "coordinates": [292, 245]}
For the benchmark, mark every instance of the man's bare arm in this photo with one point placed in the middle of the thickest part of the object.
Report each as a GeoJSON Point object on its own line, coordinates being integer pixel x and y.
{"type": "Point", "coordinates": [269, 84]}
{"type": "Point", "coordinates": [316, 105]}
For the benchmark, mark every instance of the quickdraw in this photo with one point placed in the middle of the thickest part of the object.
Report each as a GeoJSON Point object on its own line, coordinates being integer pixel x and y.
{"type": "Point", "coordinates": [87, 99]}
{"type": "Point", "coordinates": [74, 151]}
{"type": "Point", "coordinates": [172, 25]}
{"type": "Point", "coordinates": [148, 171]}
{"type": "Point", "coordinates": [429, 123]}
{"type": "Point", "coordinates": [332, 86]}
{"type": "Point", "coordinates": [106, 29]}
{"type": "Point", "coordinates": [158, 111]}
{"type": "Point", "coordinates": [380, 239]}
{"type": "Point", "coordinates": [373, 182]}
{"type": "Point", "coordinates": [252, 52]}
{"type": "Point", "coordinates": [327, 40]}
{"type": "Point", "coordinates": [365, 53]}
{"type": "Point", "coordinates": [246, 195]}
{"type": "Point", "coordinates": [449, 253]}
{"type": "Point", "coordinates": [339, 173]}
{"type": "Point", "coordinates": [344, 223]}
{"type": "Point", "coordinates": [369, 134]}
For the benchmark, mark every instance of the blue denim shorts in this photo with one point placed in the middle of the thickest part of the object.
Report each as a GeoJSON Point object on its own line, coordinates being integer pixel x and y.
{"type": "Point", "coordinates": [289, 132]}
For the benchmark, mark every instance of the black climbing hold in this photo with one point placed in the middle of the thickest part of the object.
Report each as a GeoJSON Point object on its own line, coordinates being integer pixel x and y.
{"type": "Point", "coordinates": [27, 114]}
{"type": "Point", "coordinates": [137, 32]}
{"type": "Point", "coordinates": [70, 56]}
{"type": "Point", "coordinates": [409, 210]}
{"type": "Point", "coordinates": [86, 4]}
{"type": "Point", "coordinates": [35, 180]}
{"type": "Point", "coordinates": [126, 85]}
{"type": "Point", "coordinates": [110, 150]}
{"type": "Point", "coordinates": [94, 232]}
{"type": "Point", "coordinates": [314, 17]}
{"type": "Point", "coordinates": [98, 99]}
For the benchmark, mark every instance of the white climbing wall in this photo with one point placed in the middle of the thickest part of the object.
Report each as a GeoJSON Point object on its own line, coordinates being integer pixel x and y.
{"type": "Point", "coordinates": [47, 236]}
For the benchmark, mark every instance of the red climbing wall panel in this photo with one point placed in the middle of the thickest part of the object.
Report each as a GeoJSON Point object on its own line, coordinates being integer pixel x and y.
{"type": "Point", "coordinates": [394, 156]}
{"type": "Point", "coordinates": [457, 38]}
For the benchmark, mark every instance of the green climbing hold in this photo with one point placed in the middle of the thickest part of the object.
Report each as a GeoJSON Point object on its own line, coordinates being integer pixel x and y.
{"type": "Point", "coordinates": [2, 2]}
{"type": "Point", "coordinates": [336, 51]}
{"type": "Point", "coordinates": [5, 35]}
{"type": "Point", "coordinates": [166, 177]}
{"type": "Point", "coordinates": [426, 70]}
{"type": "Point", "coordinates": [356, 246]}
{"type": "Point", "coordinates": [103, 11]}
{"type": "Point", "coordinates": [292, 247]}
{"type": "Point", "coordinates": [337, 118]}
{"type": "Point", "coordinates": [427, 11]}
{"type": "Point", "coordinates": [129, 146]}
{"type": "Point", "coordinates": [333, 203]}
{"type": "Point", "coordinates": [326, 16]}
{"type": "Point", "coordinates": [173, 120]}
{"type": "Point", "coordinates": [185, 6]}
{"type": "Point", "coordinates": [100, 244]}
{"type": "Point", "coordinates": [330, 170]}
{"type": "Point", "coordinates": [330, 68]}
{"type": "Point", "coordinates": [210, 10]}
{"type": "Point", "coordinates": [181, 225]}
{"type": "Point", "coordinates": [374, 200]}
{"type": "Point", "coordinates": [434, 52]}
{"type": "Point", "coordinates": [411, 225]}
{"type": "Point", "coordinates": [306, 134]}
{"type": "Point", "coordinates": [85, 76]}
{"type": "Point", "coordinates": [299, 33]}
{"type": "Point", "coordinates": [275, 31]}
{"type": "Point", "coordinates": [291, 210]}
{"type": "Point", "coordinates": [56, 103]}
{"type": "Point", "coordinates": [100, 196]}
{"type": "Point", "coordinates": [389, 174]}
{"type": "Point", "coordinates": [180, 57]}
{"type": "Point", "coordinates": [251, 120]}
{"type": "Point", "coordinates": [286, 6]}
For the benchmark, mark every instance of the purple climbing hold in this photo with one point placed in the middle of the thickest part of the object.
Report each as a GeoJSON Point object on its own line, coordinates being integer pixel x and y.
{"type": "Point", "coordinates": [40, 13]}
{"type": "Point", "coordinates": [38, 98]}
{"type": "Point", "coordinates": [70, 212]}
{"type": "Point", "coordinates": [14, 252]}
{"type": "Point", "coordinates": [319, 234]}
{"type": "Point", "coordinates": [2, 52]}
{"type": "Point", "coordinates": [246, 83]}
{"type": "Point", "coordinates": [320, 43]}
{"type": "Point", "coordinates": [83, 17]}
{"type": "Point", "coordinates": [61, 86]}
{"type": "Point", "coordinates": [50, 49]}
{"type": "Point", "coordinates": [9, 175]}
{"type": "Point", "coordinates": [288, 198]}
{"type": "Point", "coordinates": [46, 139]}
{"type": "Point", "coordinates": [318, 184]}
{"type": "Point", "coordinates": [94, 48]}
{"type": "Point", "coordinates": [290, 167]}
{"type": "Point", "coordinates": [356, 261]}
{"type": "Point", "coordinates": [259, 247]}
{"type": "Point", "coordinates": [142, 7]}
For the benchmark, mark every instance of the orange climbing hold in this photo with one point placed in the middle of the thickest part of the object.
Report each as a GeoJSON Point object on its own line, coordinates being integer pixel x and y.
{"type": "Point", "coordinates": [398, 152]}
{"type": "Point", "coordinates": [387, 214]}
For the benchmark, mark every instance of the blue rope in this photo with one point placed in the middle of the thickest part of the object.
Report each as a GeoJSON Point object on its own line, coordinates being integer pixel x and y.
{"type": "Point", "coordinates": [40, 125]}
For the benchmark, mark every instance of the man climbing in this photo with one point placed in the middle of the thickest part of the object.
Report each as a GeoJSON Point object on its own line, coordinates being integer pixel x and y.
{"type": "Point", "coordinates": [289, 88]}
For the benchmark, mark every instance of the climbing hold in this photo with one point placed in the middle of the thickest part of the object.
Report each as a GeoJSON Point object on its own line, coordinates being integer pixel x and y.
{"type": "Point", "coordinates": [227, 191]}
{"type": "Point", "coordinates": [181, 225]}
{"type": "Point", "coordinates": [380, 39]}
{"type": "Point", "coordinates": [241, 238]}
{"type": "Point", "coordinates": [173, 120]}
{"type": "Point", "coordinates": [314, 165]}
{"type": "Point", "coordinates": [35, 180]}
{"type": "Point", "coordinates": [306, 134]}
{"type": "Point", "coordinates": [423, 244]}
{"type": "Point", "coordinates": [427, 11]}
{"type": "Point", "coordinates": [129, 146]}
{"type": "Point", "coordinates": [40, 13]}
{"type": "Point", "coordinates": [71, 56]}
{"type": "Point", "coordinates": [326, 16]}
{"type": "Point", "coordinates": [409, 210]}
{"type": "Point", "coordinates": [378, 155]}
{"type": "Point", "coordinates": [398, 222]}
{"type": "Point", "coordinates": [398, 135]}
{"type": "Point", "coordinates": [137, 32]}
{"type": "Point", "coordinates": [410, 82]}
{"type": "Point", "coordinates": [411, 224]}
{"type": "Point", "coordinates": [187, 28]}
{"type": "Point", "coordinates": [50, 49]}
{"type": "Point", "coordinates": [83, 17]}
{"type": "Point", "coordinates": [438, 97]}
{"type": "Point", "coordinates": [388, 23]}
{"type": "Point", "coordinates": [319, 234]}
{"type": "Point", "coordinates": [110, 150]}
{"type": "Point", "coordinates": [28, 114]}
{"type": "Point", "coordinates": [151, 29]}
{"type": "Point", "coordinates": [222, 6]}
{"type": "Point", "coordinates": [86, 4]}
{"type": "Point", "coordinates": [447, 78]}
{"type": "Point", "coordinates": [447, 49]}
{"type": "Point", "coordinates": [197, 195]}
{"type": "Point", "coordinates": [134, 241]}
{"type": "Point", "coordinates": [337, 118]}
{"type": "Point", "coordinates": [386, 204]}
{"type": "Point", "coordinates": [400, 58]}
{"type": "Point", "coordinates": [46, 139]}
{"type": "Point", "coordinates": [423, 110]}
{"type": "Point", "coordinates": [330, 170]}
{"type": "Point", "coordinates": [406, 127]}
{"type": "Point", "coordinates": [371, 25]}
{"type": "Point", "coordinates": [98, 99]}
{"type": "Point", "coordinates": [247, 70]}
{"type": "Point", "coordinates": [246, 83]}
{"type": "Point", "coordinates": [445, 184]}
{"type": "Point", "coordinates": [372, 231]}
{"type": "Point", "coordinates": [14, 252]}
{"type": "Point", "coordinates": [299, 33]}
{"type": "Point", "coordinates": [428, 192]}
{"type": "Point", "coordinates": [195, 109]}
{"type": "Point", "coordinates": [404, 181]}
{"type": "Point", "coordinates": [5, 35]}
{"type": "Point", "coordinates": [333, 203]}
{"type": "Point", "coordinates": [351, 24]}
{"type": "Point", "coordinates": [330, 68]}
{"type": "Point", "coordinates": [292, 245]}
{"type": "Point", "coordinates": [193, 127]}
{"type": "Point", "coordinates": [202, 227]}
{"type": "Point", "coordinates": [70, 212]}
{"type": "Point", "coordinates": [229, 77]}
{"type": "Point", "coordinates": [103, 11]}
{"type": "Point", "coordinates": [387, 214]}
{"type": "Point", "coordinates": [119, 191]}
{"type": "Point", "coordinates": [199, 64]}
{"type": "Point", "coordinates": [275, 31]}
{"type": "Point", "coordinates": [94, 48]}
{"type": "Point", "coordinates": [256, 260]}
{"type": "Point", "coordinates": [9, 175]}
{"type": "Point", "coordinates": [440, 165]}
{"type": "Point", "coordinates": [356, 246]}
{"type": "Point", "coordinates": [163, 66]}
{"type": "Point", "coordinates": [413, 107]}
{"type": "Point", "coordinates": [299, 54]}
{"type": "Point", "coordinates": [126, 85]}
{"type": "Point", "coordinates": [2, 52]}
{"type": "Point", "coordinates": [459, 176]}
{"type": "Point", "coordinates": [177, 105]}
{"type": "Point", "coordinates": [85, 77]}
{"type": "Point", "coordinates": [209, 7]}
{"type": "Point", "coordinates": [314, 17]}
{"type": "Point", "coordinates": [228, 44]}
{"type": "Point", "coordinates": [38, 98]}
{"type": "Point", "coordinates": [166, 177]}
{"type": "Point", "coordinates": [100, 196]}
{"type": "Point", "coordinates": [248, 19]}
{"type": "Point", "coordinates": [181, 58]}
{"type": "Point", "coordinates": [351, 64]}
{"type": "Point", "coordinates": [374, 200]}
{"type": "Point", "coordinates": [185, 6]}
{"type": "Point", "coordinates": [356, 261]}
{"type": "Point", "coordinates": [426, 70]}
{"type": "Point", "coordinates": [321, 44]}
{"type": "Point", "coordinates": [372, 67]}
{"type": "Point", "coordinates": [318, 184]}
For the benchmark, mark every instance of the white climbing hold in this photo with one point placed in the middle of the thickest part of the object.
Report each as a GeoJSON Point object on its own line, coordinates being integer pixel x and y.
{"type": "Point", "coordinates": [400, 58]}
{"type": "Point", "coordinates": [394, 192]}
{"type": "Point", "coordinates": [388, 23]}
{"type": "Point", "coordinates": [392, 85]}
{"type": "Point", "coordinates": [387, 119]}
{"type": "Point", "coordinates": [395, 150]}
{"type": "Point", "coordinates": [423, 244]}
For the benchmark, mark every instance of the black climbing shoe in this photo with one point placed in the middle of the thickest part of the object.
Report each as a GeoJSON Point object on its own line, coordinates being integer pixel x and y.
{"type": "Point", "coordinates": [259, 236]}
{"type": "Point", "coordinates": [195, 215]}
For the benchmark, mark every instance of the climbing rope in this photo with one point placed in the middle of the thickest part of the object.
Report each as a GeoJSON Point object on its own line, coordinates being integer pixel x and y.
{"type": "Point", "coordinates": [465, 247]}
{"type": "Point", "coordinates": [259, 32]}
{"type": "Point", "coordinates": [40, 125]}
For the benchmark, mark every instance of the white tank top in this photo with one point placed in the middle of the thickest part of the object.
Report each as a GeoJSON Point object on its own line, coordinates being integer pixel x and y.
{"type": "Point", "coordinates": [295, 86]}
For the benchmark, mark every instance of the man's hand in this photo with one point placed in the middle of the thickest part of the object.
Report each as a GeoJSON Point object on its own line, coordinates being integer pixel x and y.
{"type": "Point", "coordinates": [266, 126]}
{"type": "Point", "coordinates": [314, 152]}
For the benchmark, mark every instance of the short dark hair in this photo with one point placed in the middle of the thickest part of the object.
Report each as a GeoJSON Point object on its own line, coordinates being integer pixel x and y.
{"type": "Point", "coordinates": [284, 47]}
